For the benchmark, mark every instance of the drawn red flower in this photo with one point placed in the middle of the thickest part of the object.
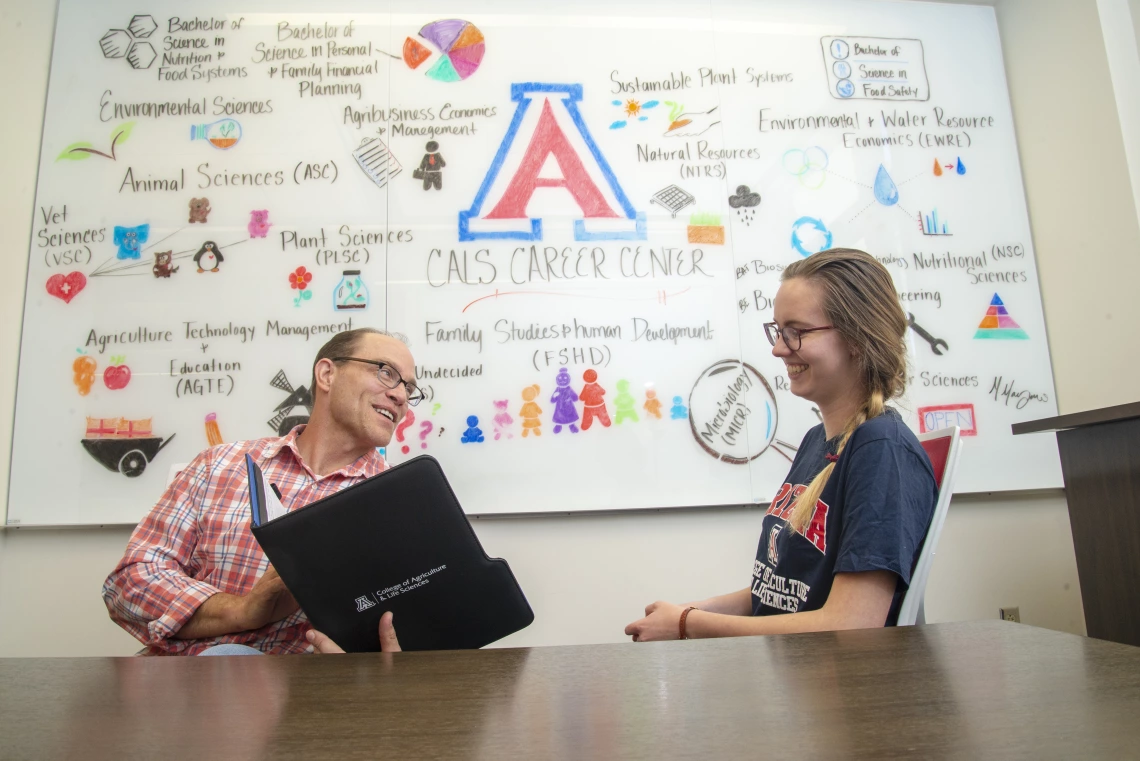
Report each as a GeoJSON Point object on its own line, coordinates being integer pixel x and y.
{"type": "Point", "coordinates": [300, 279]}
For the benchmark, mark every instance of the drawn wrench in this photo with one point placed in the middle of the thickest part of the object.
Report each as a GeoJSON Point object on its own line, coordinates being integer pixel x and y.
{"type": "Point", "coordinates": [936, 344]}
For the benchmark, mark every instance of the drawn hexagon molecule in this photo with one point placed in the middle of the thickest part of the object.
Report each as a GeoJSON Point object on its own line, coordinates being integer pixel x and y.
{"type": "Point", "coordinates": [141, 55]}
{"type": "Point", "coordinates": [142, 26]}
{"type": "Point", "coordinates": [115, 43]}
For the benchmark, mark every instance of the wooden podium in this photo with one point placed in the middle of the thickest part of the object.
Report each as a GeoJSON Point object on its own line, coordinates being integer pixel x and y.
{"type": "Point", "coordinates": [1100, 461]}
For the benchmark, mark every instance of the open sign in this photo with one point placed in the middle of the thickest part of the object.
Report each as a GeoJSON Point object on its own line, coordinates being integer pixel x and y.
{"type": "Point", "coordinates": [943, 416]}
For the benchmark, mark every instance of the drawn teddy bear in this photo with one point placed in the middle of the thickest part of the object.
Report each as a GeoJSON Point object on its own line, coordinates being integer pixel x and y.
{"type": "Point", "coordinates": [199, 209]}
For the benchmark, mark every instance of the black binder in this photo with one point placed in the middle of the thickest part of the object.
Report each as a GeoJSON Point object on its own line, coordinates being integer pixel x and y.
{"type": "Point", "coordinates": [398, 541]}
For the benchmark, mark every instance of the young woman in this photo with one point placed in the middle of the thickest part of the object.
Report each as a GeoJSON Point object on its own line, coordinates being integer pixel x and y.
{"type": "Point", "coordinates": [842, 535]}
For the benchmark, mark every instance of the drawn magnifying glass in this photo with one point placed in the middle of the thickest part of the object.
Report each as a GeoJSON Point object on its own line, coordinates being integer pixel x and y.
{"type": "Point", "coordinates": [733, 413]}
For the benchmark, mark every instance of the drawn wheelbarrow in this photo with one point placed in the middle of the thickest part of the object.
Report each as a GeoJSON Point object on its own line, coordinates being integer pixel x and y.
{"type": "Point", "coordinates": [126, 455]}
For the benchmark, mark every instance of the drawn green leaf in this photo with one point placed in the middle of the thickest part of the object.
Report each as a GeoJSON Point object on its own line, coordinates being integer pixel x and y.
{"type": "Point", "coordinates": [123, 131]}
{"type": "Point", "coordinates": [72, 152]}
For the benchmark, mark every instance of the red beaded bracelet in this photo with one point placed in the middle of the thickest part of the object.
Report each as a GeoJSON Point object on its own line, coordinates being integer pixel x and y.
{"type": "Point", "coordinates": [684, 616]}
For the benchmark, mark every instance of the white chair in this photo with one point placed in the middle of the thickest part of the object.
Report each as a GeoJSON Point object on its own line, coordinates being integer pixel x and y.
{"type": "Point", "coordinates": [943, 447]}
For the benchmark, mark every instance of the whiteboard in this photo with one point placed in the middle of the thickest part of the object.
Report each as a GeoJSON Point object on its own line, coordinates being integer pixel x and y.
{"type": "Point", "coordinates": [614, 188]}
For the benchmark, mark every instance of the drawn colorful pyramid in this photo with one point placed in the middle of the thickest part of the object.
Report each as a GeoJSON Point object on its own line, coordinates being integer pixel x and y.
{"type": "Point", "coordinates": [998, 324]}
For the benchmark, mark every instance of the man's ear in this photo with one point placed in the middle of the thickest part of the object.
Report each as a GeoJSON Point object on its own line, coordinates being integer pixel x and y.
{"type": "Point", "coordinates": [324, 372]}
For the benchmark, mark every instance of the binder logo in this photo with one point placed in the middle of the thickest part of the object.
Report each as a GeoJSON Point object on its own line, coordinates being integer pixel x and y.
{"type": "Point", "coordinates": [363, 603]}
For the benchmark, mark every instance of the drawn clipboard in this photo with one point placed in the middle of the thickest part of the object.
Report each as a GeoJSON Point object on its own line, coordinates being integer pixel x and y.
{"type": "Point", "coordinates": [377, 161]}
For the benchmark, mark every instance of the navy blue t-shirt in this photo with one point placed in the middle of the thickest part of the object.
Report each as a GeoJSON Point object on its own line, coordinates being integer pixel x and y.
{"type": "Point", "coordinates": [872, 516]}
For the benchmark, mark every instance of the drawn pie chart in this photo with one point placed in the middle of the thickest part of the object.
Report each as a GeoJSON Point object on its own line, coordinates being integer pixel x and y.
{"type": "Point", "coordinates": [460, 44]}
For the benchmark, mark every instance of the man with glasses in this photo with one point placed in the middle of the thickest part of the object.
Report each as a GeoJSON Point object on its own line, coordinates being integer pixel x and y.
{"type": "Point", "coordinates": [193, 578]}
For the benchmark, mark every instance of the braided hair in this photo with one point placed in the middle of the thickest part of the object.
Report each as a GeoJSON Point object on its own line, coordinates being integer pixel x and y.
{"type": "Point", "coordinates": [860, 301]}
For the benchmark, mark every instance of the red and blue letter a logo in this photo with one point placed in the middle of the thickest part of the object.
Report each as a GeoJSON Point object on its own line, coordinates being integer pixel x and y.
{"type": "Point", "coordinates": [558, 172]}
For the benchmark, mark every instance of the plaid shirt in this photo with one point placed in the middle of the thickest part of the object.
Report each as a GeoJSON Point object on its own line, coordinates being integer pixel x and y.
{"type": "Point", "coordinates": [196, 542]}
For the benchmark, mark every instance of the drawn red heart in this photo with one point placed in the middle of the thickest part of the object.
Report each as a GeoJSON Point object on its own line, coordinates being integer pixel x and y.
{"type": "Point", "coordinates": [116, 377]}
{"type": "Point", "coordinates": [67, 286]}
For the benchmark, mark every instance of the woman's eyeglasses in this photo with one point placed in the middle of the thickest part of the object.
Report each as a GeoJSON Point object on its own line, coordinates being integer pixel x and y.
{"type": "Point", "coordinates": [793, 337]}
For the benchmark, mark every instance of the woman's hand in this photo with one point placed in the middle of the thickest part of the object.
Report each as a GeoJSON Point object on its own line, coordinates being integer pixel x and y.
{"type": "Point", "coordinates": [388, 641]}
{"type": "Point", "coordinates": [662, 621]}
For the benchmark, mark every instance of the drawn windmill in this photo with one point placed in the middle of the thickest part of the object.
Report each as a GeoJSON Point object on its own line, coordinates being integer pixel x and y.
{"type": "Point", "coordinates": [296, 408]}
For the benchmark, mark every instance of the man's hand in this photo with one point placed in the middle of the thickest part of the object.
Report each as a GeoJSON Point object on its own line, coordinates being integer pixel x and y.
{"type": "Point", "coordinates": [268, 601]}
{"type": "Point", "coordinates": [388, 641]}
{"type": "Point", "coordinates": [662, 621]}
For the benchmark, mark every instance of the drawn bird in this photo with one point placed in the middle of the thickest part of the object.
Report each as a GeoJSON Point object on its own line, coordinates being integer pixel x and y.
{"type": "Point", "coordinates": [209, 256]}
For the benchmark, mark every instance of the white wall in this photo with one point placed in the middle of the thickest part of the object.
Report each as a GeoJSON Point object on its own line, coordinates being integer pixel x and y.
{"type": "Point", "coordinates": [1120, 42]}
{"type": "Point", "coordinates": [589, 575]}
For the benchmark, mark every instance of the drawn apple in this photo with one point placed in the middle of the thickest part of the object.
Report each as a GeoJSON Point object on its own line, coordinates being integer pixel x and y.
{"type": "Point", "coordinates": [117, 375]}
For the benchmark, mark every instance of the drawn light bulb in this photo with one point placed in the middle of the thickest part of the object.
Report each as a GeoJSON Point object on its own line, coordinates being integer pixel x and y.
{"type": "Point", "coordinates": [224, 133]}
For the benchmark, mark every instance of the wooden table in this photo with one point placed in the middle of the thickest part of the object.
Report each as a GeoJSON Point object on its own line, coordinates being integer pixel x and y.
{"type": "Point", "coordinates": [1101, 465]}
{"type": "Point", "coordinates": [966, 690]}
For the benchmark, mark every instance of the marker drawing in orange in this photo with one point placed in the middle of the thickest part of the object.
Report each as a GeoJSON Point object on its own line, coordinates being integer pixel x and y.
{"type": "Point", "coordinates": [593, 401]}
{"type": "Point", "coordinates": [213, 433]}
{"type": "Point", "coordinates": [530, 412]}
{"type": "Point", "coordinates": [84, 374]}
{"type": "Point", "coordinates": [652, 404]}
{"type": "Point", "coordinates": [624, 403]}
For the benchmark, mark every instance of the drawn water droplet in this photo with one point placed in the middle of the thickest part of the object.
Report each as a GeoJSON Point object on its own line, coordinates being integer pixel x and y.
{"type": "Point", "coordinates": [937, 168]}
{"type": "Point", "coordinates": [961, 166]}
{"type": "Point", "coordinates": [886, 192]}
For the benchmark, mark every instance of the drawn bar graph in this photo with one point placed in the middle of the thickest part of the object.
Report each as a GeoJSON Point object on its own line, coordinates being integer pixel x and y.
{"type": "Point", "coordinates": [929, 224]}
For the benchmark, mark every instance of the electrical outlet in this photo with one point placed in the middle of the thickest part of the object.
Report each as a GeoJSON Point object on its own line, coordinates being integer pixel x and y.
{"type": "Point", "coordinates": [1010, 614]}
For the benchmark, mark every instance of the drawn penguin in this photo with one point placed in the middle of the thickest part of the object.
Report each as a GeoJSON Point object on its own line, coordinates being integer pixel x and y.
{"type": "Point", "coordinates": [162, 266]}
{"type": "Point", "coordinates": [209, 256]}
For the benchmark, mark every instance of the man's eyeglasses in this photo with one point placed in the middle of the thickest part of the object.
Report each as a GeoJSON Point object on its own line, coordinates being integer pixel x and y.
{"type": "Point", "coordinates": [389, 377]}
{"type": "Point", "coordinates": [793, 337]}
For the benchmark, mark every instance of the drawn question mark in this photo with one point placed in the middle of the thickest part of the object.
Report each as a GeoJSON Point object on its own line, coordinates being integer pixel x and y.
{"type": "Point", "coordinates": [440, 431]}
{"type": "Point", "coordinates": [407, 421]}
{"type": "Point", "coordinates": [425, 429]}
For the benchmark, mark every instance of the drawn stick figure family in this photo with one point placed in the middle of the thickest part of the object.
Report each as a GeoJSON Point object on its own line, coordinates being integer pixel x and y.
{"type": "Point", "coordinates": [565, 414]}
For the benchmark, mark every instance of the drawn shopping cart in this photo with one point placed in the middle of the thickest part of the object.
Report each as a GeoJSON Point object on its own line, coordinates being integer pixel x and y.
{"type": "Point", "coordinates": [121, 445]}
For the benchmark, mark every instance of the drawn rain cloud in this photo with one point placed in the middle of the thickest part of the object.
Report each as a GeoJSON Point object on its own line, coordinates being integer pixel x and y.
{"type": "Point", "coordinates": [745, 202]}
